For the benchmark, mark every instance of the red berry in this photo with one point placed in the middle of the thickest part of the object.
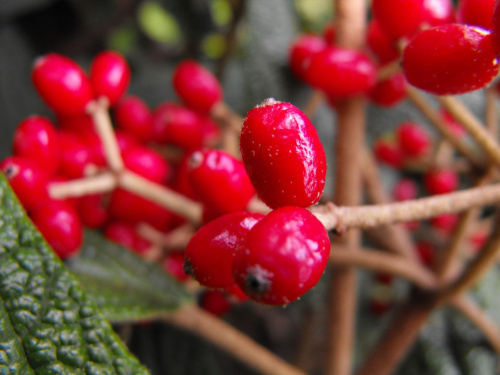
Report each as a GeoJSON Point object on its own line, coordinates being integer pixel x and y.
{"type": "Point", "coordinates": [329, 33]}
{"type": "Point", "coordinates": [135, 117]}
{"type": "Point", "coordinates": [476, 12]}
{"type": "Point", "coordinates": [282, 257]}
{"type": "Point", "coordinates": [60, 226]}
{"type": "Point", "coordinates": [495, 29]}
{"type": "Point", "coordinates": [178, 125]}
{"type": "Point", "coordinates": [196, 86]}
{"type": "Point", "coordinates": [215, 302]}
{"type": "Point", "coordinates": [445, 223]}
{"type": "Point", "coordinates": [62, 84]}
{"type": "Point", "coordinates": [413, 139]}
{"type": "Point", "coordinates": [126, 141]}
{"type": "Point", "coordinates": [76, 157]}
{"type": "Point", "coordinates": [441, 181]}
{"type": "Point", "coordinates": [209, 254]}
{"type": "Point", "coordinates": [79, 124]}
{"type": "Point", "coordinates": [147, 163]}
{"type": "Point", "coordinates": [283, 155]}
{"type": "Point", "coordinates": [426, 253]}
{"type": "Point", "coordinates": [220, 180]}
{"type": "Point", "coordinates": [458, 59]}
{"type": "Point", "coordinates": [478, 239]}
{"type": "Point", "coordinates": [341, 72]}
{"type": "Point", "coordinates": [92, 210]}
{"type": "Point", "coordinates": [388, 152]}
{"type": "Point", "coordinates": [92, 142]}
{"type": "Point", "coordinates": [126, 235]}
{"type": "Point", "coordinates": [400, 18]}
{"type": "Point", "coordinates": [302, 51]}
{"type": "Point", "coordinates": [404, 190]}
{"type": "Point", "coordinates": [235, 293]}
{"type": "Point", "coordinates": [36, 138]}
{"type": "Point", "coordinates": [134, 209]}
{"type": "Point", "coordinates": [28, 181]}
{"type": "Point", "coordinates": [455, 127]}
{"type": "Point", "coordinates": [110, 76]}
{"type": "Point", "coordinates": [381, 44]}
{"type": "Point", "coordinates": [389, 92]}
{"type": "Point", "coordinates": [439, 12]}
{"type": "Point", "coordinates": [173, 264]}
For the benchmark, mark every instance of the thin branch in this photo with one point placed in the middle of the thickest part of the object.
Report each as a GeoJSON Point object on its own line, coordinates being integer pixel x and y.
{"type": "Point", "coordinates": [315, 101]}
{"type": "Point", "coordinates": [231, 340]}
{"type": "Point", "coordinates": [101, 183]}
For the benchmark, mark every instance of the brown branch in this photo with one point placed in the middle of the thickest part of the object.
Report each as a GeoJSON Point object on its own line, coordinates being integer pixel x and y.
{"type": "Point", "coordinates": [477, 130]}
{"type": "Point", "coordinates": [433, 116]}
{"type": "Point", "coordinates": [315, 101]}
{"type": "Point", "coordinates": [231, 340]}
{"type": "Point", "coordinates": [101, 183]}
{"type": "Point", "coordinates": [342, 218]}
{"type": "Point", "coordinates": [381, 262]}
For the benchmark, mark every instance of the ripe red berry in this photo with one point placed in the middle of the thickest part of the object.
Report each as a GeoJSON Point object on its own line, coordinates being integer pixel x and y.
{"type": "Point", "coordinates": [126, 141]}
{"type": "Point", "coordinates": [400, 18]}
{"type": "Point", "coordinates": [455, 127]}
{"type": "Point", "coordinates": [282, 257]}
{"type": "Point", "coordinates": [110, 76]}
{"type": "Point", "coordinates": [179, 126]}
{"type": "Point", "coordinates": [405, 189]}
{"type": "Point", "coordinates": [36, 138]}
{"type": "Point", "coordinates": [196, 86]}
{"type": "Point", "coordinates": [388, 152]}
{"type": "Point", "coordinates": [27, 179]}
{"type": "Point", "coordinates": [92, 210]}
{"type": "Point", "coordinates": [329, 33]}
{"type": "Point", "coordinates": [341, 72]}
{"type": "Point", "coordinates": [209, 254]}
{"type": "Point", "coordinates": [283, 155]}
{"type": "Point", "coordinates": [444, 223]}
{"type": "Point", "coordinates": [79, 124]}
{"type": "Point", "coordinates": [60, 226]}
{"type": "Point", "coordinates": [220, 180]}
{"type": "Point", "coordinates": [476, 12]}
{"type": "Point", "coordinates": [126, 235]}
{"type": "Point", "coordinates": [76, 157]}
{"type": "Point", "coordinates": [495, 29]}
{"type": "Point", "coordinates": [389, 92]}
{"type": "Point", "coordinates": [302, 50]}
{"type": "Point", "coordinates": [215, 302]}
{"type": "Point", "coordinates": [381, 44]}
{"type": "Point", "coordinates": [62, 84]}
{"type": "Point", "coordinates": [439, 12]}
{"type": "Point", "coordinates": [458, 59]}
{"type": "Point", "coordinates": [426, 253]}
{"type": "Point", "coordinates": [441, 181]}
{"type": "Point", "coordinates": [413, 139]}
{"type": "Point", "coordinates": [135, 117]}
{"type": "Point", "coordinates": [173, 264]}
{"type": "Point", "coordinates": [147, 163]}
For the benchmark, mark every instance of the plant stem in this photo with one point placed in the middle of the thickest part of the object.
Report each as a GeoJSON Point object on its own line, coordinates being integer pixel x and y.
{"type": "Point", "coordinates": [478, 132]}
{"type": "Point", "coordinates": [425, 107]}
{"type": "Point", "coordinates": [102, 122]}
{"type": "Point", "coordinates": [178, 238]}
{"type": "Point", "coordinates": [101, 183]}
{"type": "Point", "coordinates": [350, 26]}
{"type": "Point", "coordinates": [315, 101]}
{"type": "Point", "coordinates": [231, 340]}
{"type": "Point", "coordinates": [161, 195]}
{"type": "Point", "coordinates": [339, 219]}
{"type": "Point", "coordinates": [385, 263]}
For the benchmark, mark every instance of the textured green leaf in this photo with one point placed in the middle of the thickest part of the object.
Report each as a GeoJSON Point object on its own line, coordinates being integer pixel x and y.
{"type": "Point", "coordinates": [123, 285]}
{"type": "Point", "coordinates": [48, 325]}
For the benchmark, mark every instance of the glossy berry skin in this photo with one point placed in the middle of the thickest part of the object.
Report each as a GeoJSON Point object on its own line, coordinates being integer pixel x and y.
{"type": "Point", "coordinates": [62, 84]}
{"type": "Point", "coordinates": [495, 30]}
{"type": "Point", "coordinates": [36, 138]}
{"type": "Point", "coordinates": [92, 210]}
{"type": "Point", "coordinates": [76, 157]}
{"type": "Point", "coordinates": [389, 92]}
{"type": "Point", "coordinates": [388, 152]}
{"type": "Point", "coordinates": [476, 12]}
{"type": "Point", "coordinates": [404, 190]}
{"type": "Point", "coordinates": [173, 264]}
{"type": "Point", "coordinates": [441, 181]}
{"type": "Point", "coordinates": [458, 59]}
{"type": "Point", "coordinates": [439, 12]}
{"type": "Point", "coordinates": [79, 124]}
{"type": "Point", "coordinates": [283, 155]}
{"type": "Point", "coordinates": [400, 18]}
{"type": "Point", "coordinates": [282, 257]}
{"type": "Point", "coordinates": [177, 125]}
{"type": "Point", "coordinates": [302, 50]}
{"type": "Point", "coordinates": [110, 76]}
{"type": "Point", "coordinates": [196, 86]}
{"type": "Point", "coordinates": [135, 117]}
{"type": "Point", "coordinates": [147, 163]}
{"type": "Point", "coordinates": [209, 254]}
{"type": "Point", "coordinates": [220, 180]}
{"type": "Point", "coordinates": [215, 302]}
{"type": "Point", "coordinates": [381, 44]}
{"type": "Point", "coordinates": [341, 72]}
{"type": "Point", "coordinates": [27, 179]}
{"type": "Point", "coordinates": [413, 139]}
{"type": "Point", "coordinates": [60, 226]}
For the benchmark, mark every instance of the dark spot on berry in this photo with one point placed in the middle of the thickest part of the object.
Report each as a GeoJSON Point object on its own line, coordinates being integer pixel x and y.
{"type": "Point", "coordinates": [257, 284]}
{"type": "Point", "coordinates": [11, 171]}
{"type": "Point", "coordinates": [188, 268]}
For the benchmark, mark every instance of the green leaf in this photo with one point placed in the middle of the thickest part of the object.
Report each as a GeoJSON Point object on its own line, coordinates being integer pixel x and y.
{"type": "Point", "coordinates": [48, 325]}
{"type": "Point", "coordinates": [123, 285]}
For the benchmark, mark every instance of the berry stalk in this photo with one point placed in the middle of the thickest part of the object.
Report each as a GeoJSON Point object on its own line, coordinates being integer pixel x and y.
{"type": "Point", "coordinates": [101, 183]}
